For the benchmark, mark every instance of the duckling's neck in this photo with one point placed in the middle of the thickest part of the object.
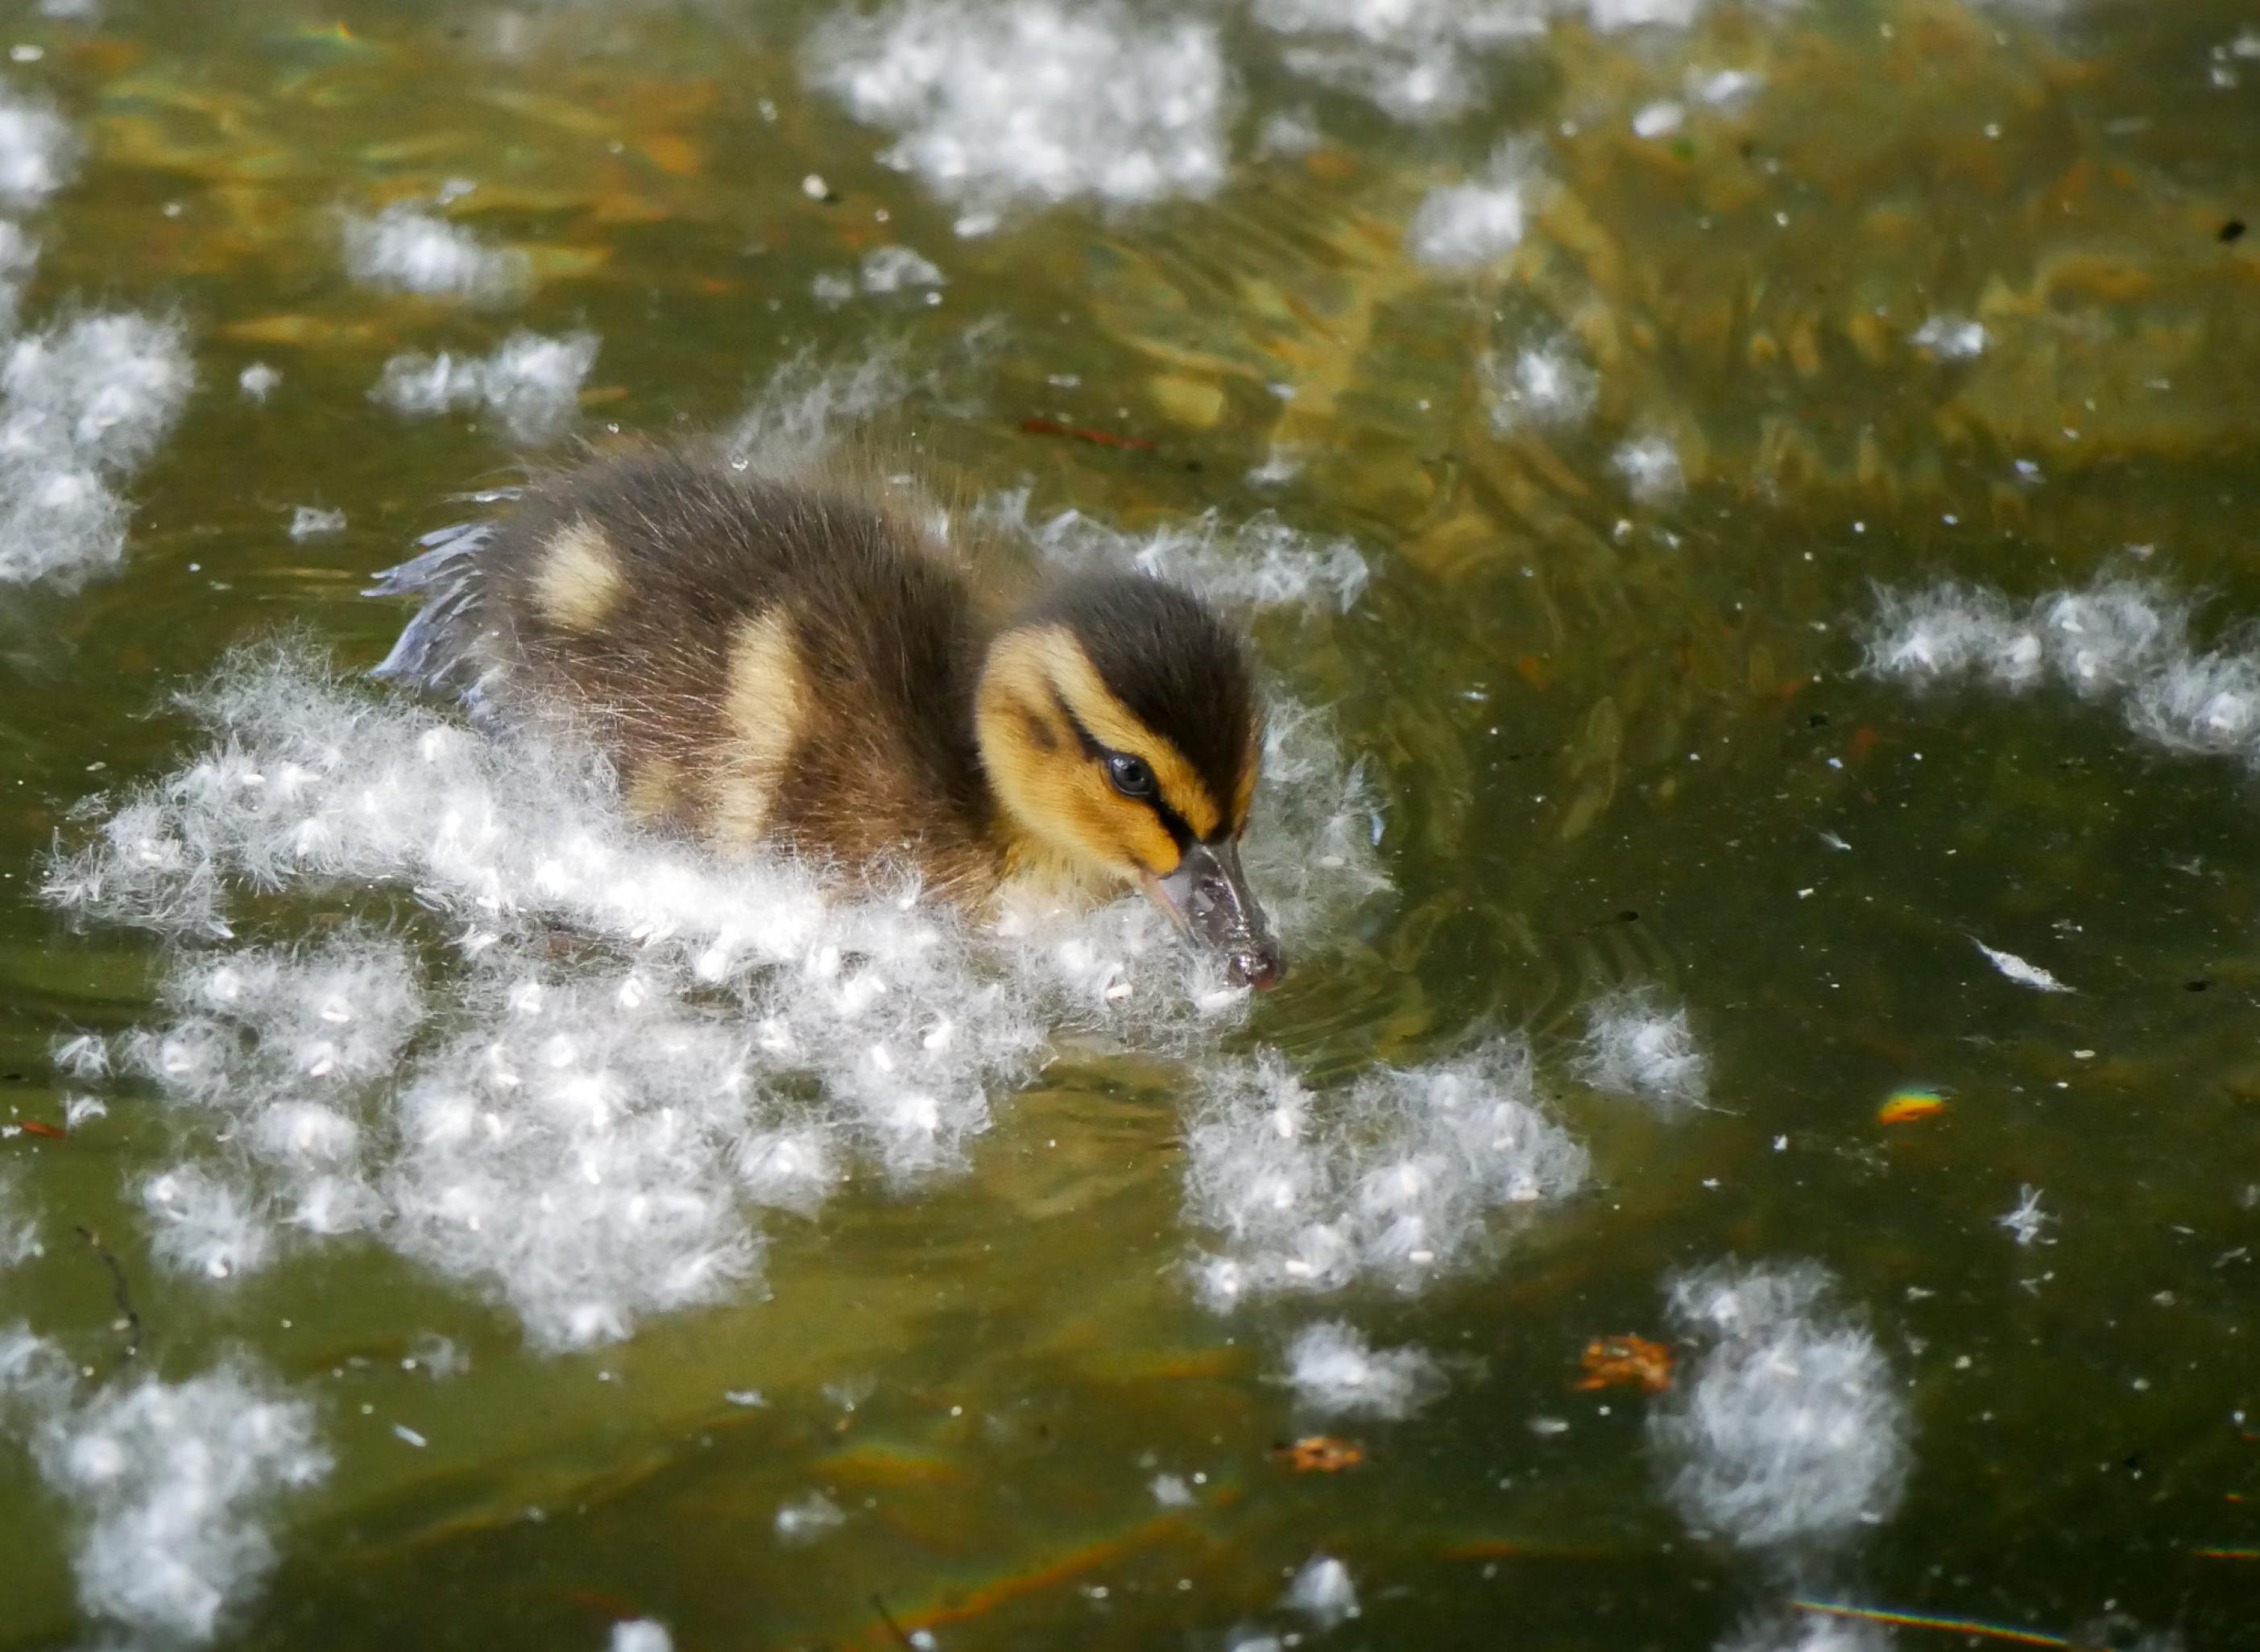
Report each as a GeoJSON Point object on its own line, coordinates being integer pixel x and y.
{"type": "Point", "coordinates": [1025, 865]}
{"type": "Point", "coordinates": [1038, 879]}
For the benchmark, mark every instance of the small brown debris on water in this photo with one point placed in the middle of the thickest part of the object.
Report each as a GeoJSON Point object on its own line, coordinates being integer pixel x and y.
{"type": "Point", "coordinates": [1085, 432]}
{"type": "Point", "coordinates": [1321, 1454]}
{"type": "Point", "coordinates": [1613, 1361]}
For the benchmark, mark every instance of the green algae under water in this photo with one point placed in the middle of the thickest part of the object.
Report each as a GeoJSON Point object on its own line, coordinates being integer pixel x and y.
{"type": "Point", "coordinates": [1620, 742]}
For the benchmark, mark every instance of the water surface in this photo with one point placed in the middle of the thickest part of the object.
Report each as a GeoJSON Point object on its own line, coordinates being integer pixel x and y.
{"type": "Point", "coordinates": [1618, 732]}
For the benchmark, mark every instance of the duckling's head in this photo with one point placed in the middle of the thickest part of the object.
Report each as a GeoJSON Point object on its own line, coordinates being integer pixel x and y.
{"type": "Point", "coordinates": [1121, 728]}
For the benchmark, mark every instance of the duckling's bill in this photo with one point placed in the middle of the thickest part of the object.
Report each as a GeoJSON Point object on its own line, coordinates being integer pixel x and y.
{"type": "Point", "coordinates": [1208, 898]}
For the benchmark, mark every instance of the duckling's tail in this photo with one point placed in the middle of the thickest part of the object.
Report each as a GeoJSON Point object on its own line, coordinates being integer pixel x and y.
{"type": "Point", "coordinates": [440, 648]}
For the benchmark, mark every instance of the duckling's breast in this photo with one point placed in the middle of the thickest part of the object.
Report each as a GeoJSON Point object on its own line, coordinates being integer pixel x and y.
{"type": "Point", "coordinates": [762, 661]}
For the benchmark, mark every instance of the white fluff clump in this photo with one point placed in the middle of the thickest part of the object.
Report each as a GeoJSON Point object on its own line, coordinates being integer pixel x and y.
{"type": "Point", "coordinates": [2117, 639]}
{"type": "Point", "coordinates": [1609, 16]}
{"type": "Point", "coordinates": [1312, 845]}
{"type": "Point", "coordinates": [61, 524]}
{"type": "Point", "coordinates": [1394, 1180]}
{"type": "Point", "coordinates": [1419, 60]}
{"type": "Point", "coordinates": [440, 1358]}
{"type": "Point", "coordinates": [1262, 563]}
{"type": "Point", "coordinates": [580, 1152]}
{"type": "Point", "coordinates": [591, 1143]}
{"type": "Point", "coordinates": [1335, 1372]}
{"type": "Point", "coordinates": [406, 250]}
{"type": "Point", "coordinates": [2109, 637]}
{"type": "Point", "coordinates": [2118, 636]}
{"type": "Point", "coordinates": [1466, 225]}
{"type": "Point", "coordinates": [575, 1156]}
{"type": "Point", "coordinates": [1634, 1046]}
{"type": "Point", "coordinates": [284, 1025]}
{"type": "Point", "coordinates": [1323, 1593]}
{"type": "Point", "coordinates": [1034, 101]}
{"type": "Point", "coordinates": [1949, 631]}
{"type": "Point", "coordinates": [311, 522]}
{"type": "Point", "coordinates": [104, 388]}
{"type": "Point", "coordinates": [39, 151]}
{"type": "Point", "coordinates": [1546, 385]}
{"type": "Point", "coordinates": [168, 1484]}
{"type": "Point", "coordinates": [206, 1224]}
{"type": "Point", "coordinates": [82, 1055]}
{"type": "Point", "coordinates": [808, 1519]}
{"type": "Point", "coordinates": [37, 1378]}
{"type": "Point", "coordinates": [1649, 464]}
{"type": "Point", "coordinates": [642, 1634]}
{"type": "Point", "coordinates": [531, 384]}
{"type": "Point", "coordinates": [2205, 704]}
{"type": "Point", "coordinates": [1171, 1492]}
{"type": "Point", "coordinates": [307, 1132]}
{"type": "Point", "coordinates": [1805, 1632]}
{"type": "Point", "coordinates": [281, 1048]}
{"type": "Point", "coordinates": [82, 405]}
{"type": "Point", "coordinates": [1422, 59]}
{"type": "Point", "coordinates": [888, 269]}
{"type": "Point", "coordinates": [1790, 1429]}
{"type": "Point", "coordinates": [1951, 337]}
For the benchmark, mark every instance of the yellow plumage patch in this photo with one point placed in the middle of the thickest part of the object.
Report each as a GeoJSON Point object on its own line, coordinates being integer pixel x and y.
{"type": "Point", "coordinates": [578, 581]}
{"type": "Point", "coordinates": [764, 705]}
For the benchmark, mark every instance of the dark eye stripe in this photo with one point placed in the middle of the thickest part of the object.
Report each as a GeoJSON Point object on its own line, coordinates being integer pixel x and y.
{"type": "Point", "coordinates": [1179, 829]}
{"type": "Point", "coordinates": [1092, 748]}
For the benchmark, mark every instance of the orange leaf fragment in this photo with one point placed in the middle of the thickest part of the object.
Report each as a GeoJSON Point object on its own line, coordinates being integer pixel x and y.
{"type": "Point", "coordinates": [1321, 1454]}
{"type": "Point", "coordinates": [1612, 1360]}
{"type": "Point", "coordinates": [1084, 432]}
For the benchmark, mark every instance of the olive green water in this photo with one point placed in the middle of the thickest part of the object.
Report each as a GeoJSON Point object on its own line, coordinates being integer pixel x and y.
{"type": "Point", "coordinates": [1610, 737]}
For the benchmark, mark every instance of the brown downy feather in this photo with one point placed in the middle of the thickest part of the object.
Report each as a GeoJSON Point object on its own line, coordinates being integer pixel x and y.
{"type": "Point", "coordinates": [678, 614]}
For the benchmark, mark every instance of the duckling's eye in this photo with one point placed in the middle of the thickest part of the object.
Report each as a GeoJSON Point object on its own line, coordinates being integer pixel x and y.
{"type": "Point", "coordinates": [1131, 775]}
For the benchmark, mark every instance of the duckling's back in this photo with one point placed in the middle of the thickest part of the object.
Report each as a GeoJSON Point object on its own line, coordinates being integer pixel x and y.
{"type": "Point", "coordinates": [760, 659]}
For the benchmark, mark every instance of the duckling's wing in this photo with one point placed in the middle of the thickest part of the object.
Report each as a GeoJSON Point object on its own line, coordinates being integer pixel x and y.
{"type": "Point", "coordinates": [439, 649]}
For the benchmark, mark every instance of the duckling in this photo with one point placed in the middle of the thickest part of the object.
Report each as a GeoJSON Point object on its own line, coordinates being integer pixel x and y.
{"type": "Point", "coordinates": [798, 664]}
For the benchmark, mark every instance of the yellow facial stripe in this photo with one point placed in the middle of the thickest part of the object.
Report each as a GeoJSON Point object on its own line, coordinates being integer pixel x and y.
{"type": "Point", "coordinates": [1051, 654]}
{"type": "Point", "coordinates": [578, 578]}
{"type": "Point", "coordinates": [1052, 792]}
{"type": "Point", "coordinates": [1077, 812]}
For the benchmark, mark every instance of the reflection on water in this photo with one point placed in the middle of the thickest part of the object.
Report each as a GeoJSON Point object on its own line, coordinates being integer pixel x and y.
{"type": "Point", "coordinates": [1742, 510]}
